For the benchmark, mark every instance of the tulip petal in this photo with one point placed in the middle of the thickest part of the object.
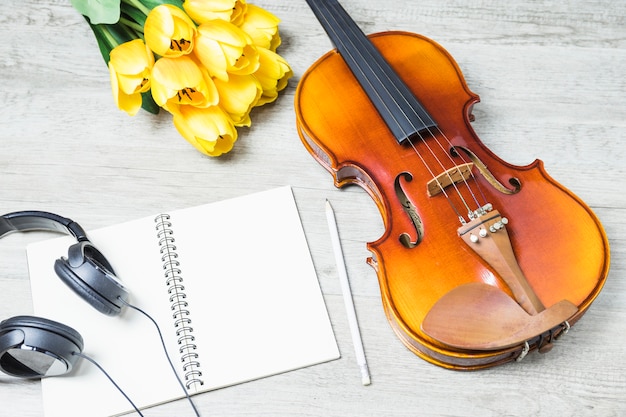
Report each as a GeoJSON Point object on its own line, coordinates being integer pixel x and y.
{"type": "Point", "coordinates": [181, 81]}
{"type": "Point", "coordinates": [132, 57]}
{"type": "Point", "coordinates": [262, 26]}
{"type": "Point", "coordinates": [202, 11]}
{"type": "Point", "coordinates": [209, 129]}
{"type": "Point", "coordinates": [169, 31]}
{"type": "Point", "coordinates": [223, 48]}
{"type": "Point", "coordinates": [132, 63]}
{"type": "Point", "coordinates": [130, 103]}
{"type": "Point", "coordinates": [273, 74]}
{"type": "Point", "coordinates": [237, 97]}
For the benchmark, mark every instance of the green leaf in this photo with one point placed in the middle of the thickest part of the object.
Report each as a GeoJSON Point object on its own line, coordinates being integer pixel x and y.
{"type": "Point", "coordinates": [103, 45]}
{"type": "Point", "coordinates": [133, 14]}
{"type": "Point", "coordinates": [151, 4]}
{"type": "Point", "coordinates": [148, 104]}
{"type": "Point", "coordinates": [99, 11]}
{"type": "Point", "coordinates": [110, 36]}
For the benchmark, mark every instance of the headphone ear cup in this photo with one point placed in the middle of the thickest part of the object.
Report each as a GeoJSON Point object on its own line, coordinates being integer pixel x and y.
{"type": "Point", "coordinates": [87, 272]}
{"type": "Point", "coordinates": [43, 337]}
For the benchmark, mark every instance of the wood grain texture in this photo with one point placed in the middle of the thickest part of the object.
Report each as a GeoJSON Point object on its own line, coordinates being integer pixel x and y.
{"type": "Point", "coordinates": [550, 77]}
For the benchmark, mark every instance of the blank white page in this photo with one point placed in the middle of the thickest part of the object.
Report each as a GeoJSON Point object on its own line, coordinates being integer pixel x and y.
{"type": "Point", "coordinates": [254, 301]}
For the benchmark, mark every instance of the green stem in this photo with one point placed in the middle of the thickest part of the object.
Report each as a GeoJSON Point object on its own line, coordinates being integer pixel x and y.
{"type": "Point", "coordinates": [106, 36]}
{"type": "Point", "coordinates": [138, 5]}
{"type": "Point", "coordinates": [132, 25]}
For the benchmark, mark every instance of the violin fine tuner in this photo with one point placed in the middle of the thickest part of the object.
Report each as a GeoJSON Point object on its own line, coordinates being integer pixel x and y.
{"type": "Point", "coordinates": [493, 224]}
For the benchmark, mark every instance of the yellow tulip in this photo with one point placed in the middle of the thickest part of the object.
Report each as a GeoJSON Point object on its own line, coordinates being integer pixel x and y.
{"type": "Point", "coordinates": [209, 130]}
{"type": "Point", "coordinates": [262, 26]}
{"type": "Point", "coordinates": [237, 97]}
{"type": "Point", "coordinates": [130, 66]}
{"type": "Point", "coordinates": [180, 81]}
{"type": "Point", "coordinates": [223, 48]}
{"type": "Point", "coordinates": [273, 74]}
{"type": "Point", "coordinates": [169, 31]}
{"type": "Point", "coordinates": [202, 11]}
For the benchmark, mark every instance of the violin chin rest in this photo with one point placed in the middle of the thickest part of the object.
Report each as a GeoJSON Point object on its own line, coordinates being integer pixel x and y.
{"type": "Point", "coordinates": [478, 316]}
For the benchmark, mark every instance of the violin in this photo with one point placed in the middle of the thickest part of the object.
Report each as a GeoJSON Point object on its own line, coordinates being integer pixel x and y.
{"type": "Point", "coordinates": [481, 261]}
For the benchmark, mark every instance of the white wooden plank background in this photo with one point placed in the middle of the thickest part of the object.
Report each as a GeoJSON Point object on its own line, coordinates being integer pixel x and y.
{"type": "Point", "coordinates": [550, 75]}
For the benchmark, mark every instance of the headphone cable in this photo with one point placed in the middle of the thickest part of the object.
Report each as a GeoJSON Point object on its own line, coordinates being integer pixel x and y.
{"type": "Point", "coordinates": [93, 361]}
{"type": "Point", "coordinates": [82, 355]}
{"type": "Point", "coordinates": [166, 354]}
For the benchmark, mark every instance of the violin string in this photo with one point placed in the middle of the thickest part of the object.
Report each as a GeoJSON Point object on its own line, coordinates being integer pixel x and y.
{"type": "Point", "coordinates": [340, 40]}
{"type": "Point", "coordinates": [374, 58]}
{"type": "Point", "coordinates": [357, 34]}
{"type": "Point", "coordinates": [329, 26]}
{"type": "Point", "coordinates": [382, 70]}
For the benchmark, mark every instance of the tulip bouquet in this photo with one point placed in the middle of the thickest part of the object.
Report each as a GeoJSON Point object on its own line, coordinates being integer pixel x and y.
{"type": "Point", "coordinates": [207, 62]}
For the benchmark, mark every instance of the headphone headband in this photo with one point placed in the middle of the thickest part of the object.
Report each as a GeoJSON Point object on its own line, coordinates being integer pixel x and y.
{"type": "Point", "coordinates": [34, 347]}
{"type": "Point", "coordinates": [40, 220]}
{"type": "Point", "coordinates": [85, 270]}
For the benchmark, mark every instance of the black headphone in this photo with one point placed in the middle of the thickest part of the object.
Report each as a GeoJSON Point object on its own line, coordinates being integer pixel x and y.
{"type": "Point", "coordinates": [34, 347]}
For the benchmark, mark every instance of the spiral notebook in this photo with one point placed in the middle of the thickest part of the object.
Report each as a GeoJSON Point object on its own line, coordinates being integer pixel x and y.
{"type": "Point", "coordinates": [231, 284]}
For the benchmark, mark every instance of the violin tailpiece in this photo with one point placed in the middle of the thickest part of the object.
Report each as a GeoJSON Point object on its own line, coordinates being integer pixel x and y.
{"type": "Point", "coordinates": [478, 316]}
{"type": "Point", "coordinates": [487, 236]}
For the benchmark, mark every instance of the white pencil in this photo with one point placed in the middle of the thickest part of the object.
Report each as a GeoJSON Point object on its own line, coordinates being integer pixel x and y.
{"type": "Point", "coordinates": [347, 295]}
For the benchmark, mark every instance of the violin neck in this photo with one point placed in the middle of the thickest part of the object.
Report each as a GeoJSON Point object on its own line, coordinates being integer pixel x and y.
{"type": "Point", "coordinates": [397, 105]}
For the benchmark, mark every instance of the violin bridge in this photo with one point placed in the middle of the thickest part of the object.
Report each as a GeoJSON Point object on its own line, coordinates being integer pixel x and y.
{"type": "Point", "coordinates": [454, 175]}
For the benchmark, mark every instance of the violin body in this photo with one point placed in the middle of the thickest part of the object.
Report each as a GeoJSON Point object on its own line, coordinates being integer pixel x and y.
{"type": "Point", "coordinates": [450, 300]}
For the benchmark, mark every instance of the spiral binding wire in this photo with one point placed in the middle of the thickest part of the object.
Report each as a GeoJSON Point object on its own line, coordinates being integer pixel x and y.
{"type": "Point", "coordinates": [178, 301]}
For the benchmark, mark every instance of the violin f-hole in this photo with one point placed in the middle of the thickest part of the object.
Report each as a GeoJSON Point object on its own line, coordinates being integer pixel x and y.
{"type": "Point", "coordinates": [410, 210]}
{"type": "Point", "coordinates": [484, 171]}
